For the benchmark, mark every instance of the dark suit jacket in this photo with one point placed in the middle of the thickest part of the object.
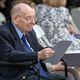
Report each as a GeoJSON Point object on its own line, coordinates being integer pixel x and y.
{"type": "Point", "coordinates": [12, 50]}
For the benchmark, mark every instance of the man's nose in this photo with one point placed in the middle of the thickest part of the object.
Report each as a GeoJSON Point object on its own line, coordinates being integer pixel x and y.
{"type": "Point", "coordinates": [33, 21]}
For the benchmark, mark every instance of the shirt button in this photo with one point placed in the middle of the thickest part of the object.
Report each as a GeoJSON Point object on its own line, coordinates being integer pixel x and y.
{"type": "Point", "coordinates": [31, 66]}
{"type": "Point", "coordinates": [23, 77]}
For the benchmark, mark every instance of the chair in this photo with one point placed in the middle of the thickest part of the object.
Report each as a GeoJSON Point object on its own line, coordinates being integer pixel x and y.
{"type": "Point", "coordinates": [72, 74]}
{"type": "Point", "coordinates": [75, 73]}
{"type": "Point", "coordinates": [69, 73]}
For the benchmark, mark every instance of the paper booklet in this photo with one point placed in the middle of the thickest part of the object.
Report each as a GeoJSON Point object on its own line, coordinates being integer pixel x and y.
{"type": "Point", "coordinates": [60, 48]}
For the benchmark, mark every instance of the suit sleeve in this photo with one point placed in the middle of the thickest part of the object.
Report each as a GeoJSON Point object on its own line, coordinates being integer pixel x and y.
{"type": "Point", "coordinates": [9, 53]}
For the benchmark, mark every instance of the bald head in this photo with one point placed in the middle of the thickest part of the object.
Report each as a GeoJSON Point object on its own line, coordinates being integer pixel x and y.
{"type": "Point", "coordinates": [21, 8]}
{"type": "Point", "coordinates": [23, 16]}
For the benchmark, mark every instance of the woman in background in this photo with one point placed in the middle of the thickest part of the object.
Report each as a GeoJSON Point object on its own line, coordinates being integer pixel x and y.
{"type": "Point", "coordinates": [2, 17]}
{"type": "Point", "coordinates": [55, 20]}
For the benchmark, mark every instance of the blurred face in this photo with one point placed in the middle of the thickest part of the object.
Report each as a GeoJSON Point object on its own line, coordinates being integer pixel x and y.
{"type": "Point", "coordinates": [45, 1]}
{"type": "Point", "coordinates": [63, 2]}
{"type": "Point", "coordinates": [2, 3]}
{"type": "Point", "coordinates": [50, 2]}
{"type": "Point", "coordinates": [55, 3]}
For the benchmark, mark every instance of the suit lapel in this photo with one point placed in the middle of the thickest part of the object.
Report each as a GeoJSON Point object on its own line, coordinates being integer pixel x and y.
{"type": "Point", "coordinates": [16, 37]}
{"type": "Point", "coordinates": [32, 41]}
{"type": "Point", "coordinates": [30, 36]}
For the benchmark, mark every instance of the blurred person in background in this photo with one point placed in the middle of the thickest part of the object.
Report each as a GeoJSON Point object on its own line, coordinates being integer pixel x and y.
{"type": "Point", "coordinates": [2, 3]}
{"type": "Point", "coordinates": [2, 17]}
{"type": "Point", "coordinates": [7, 8]}
{"type": "Point", "coordinates": [55, 20]}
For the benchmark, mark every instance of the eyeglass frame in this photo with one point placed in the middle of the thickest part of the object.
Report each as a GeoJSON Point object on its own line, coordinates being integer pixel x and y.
{"type": "Point", "coordinates": [28, 18]}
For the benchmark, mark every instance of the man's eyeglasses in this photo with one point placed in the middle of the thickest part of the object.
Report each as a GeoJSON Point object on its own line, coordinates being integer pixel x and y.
{"type": "Point", "coordinates": [29, 19]}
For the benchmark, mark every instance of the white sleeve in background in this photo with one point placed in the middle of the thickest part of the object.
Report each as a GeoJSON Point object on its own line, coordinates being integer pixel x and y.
{"type": "Point", "coordinates": [2, 18]}
{"type": "Point", "coordinates": [49, 67]}
{"type": "Point", "coordinates": [41, 36]}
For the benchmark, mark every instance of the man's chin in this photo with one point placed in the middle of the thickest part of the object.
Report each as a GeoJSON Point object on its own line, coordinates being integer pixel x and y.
{"type": "Point", "coordinates": [28, 31]}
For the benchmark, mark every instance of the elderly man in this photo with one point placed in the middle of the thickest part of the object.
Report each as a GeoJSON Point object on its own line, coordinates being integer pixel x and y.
{"type": "Point", "coordinates": [18, 43]}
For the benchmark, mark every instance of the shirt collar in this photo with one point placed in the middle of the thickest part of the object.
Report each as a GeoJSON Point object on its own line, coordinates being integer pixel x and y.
{"type": "Point", "coordinates": [18, 31]}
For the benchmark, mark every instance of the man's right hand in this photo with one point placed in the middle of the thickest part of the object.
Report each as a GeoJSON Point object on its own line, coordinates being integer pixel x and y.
{"type": "Point", "coordinates": [45, 53]}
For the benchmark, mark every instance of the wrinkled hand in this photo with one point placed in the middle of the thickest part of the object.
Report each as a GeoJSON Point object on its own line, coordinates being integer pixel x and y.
{"type": "Point", "coordinates": [45, 53]}
{"type": "Point", "coordinates": [58, 67]}
{"type": "Point", "coordinates": [71, 29]}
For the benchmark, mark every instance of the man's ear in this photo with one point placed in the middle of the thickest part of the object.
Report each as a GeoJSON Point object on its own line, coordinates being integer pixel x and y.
{"type": "Point", "coordinates": [15, 19]}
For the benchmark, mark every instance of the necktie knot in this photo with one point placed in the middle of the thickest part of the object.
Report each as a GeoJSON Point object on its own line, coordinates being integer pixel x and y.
{"type": "Point", "coordinates": [23, 39]}
{"type": "Point", "coordinates": [26, 44]}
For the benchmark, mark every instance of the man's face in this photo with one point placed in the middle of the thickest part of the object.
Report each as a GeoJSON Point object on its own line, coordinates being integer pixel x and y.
{"type": "Point", "coordinates": [26, 20]}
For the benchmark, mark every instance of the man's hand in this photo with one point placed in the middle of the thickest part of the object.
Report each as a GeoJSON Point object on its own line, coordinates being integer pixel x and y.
{"type": "Point", "coordinates": [58, 67]}
{"type": "Point", "coordinates": [45, 53]}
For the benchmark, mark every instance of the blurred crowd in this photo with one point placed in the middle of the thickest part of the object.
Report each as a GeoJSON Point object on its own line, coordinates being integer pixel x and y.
{"type": "Point", "coordinates": [6, 5]}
